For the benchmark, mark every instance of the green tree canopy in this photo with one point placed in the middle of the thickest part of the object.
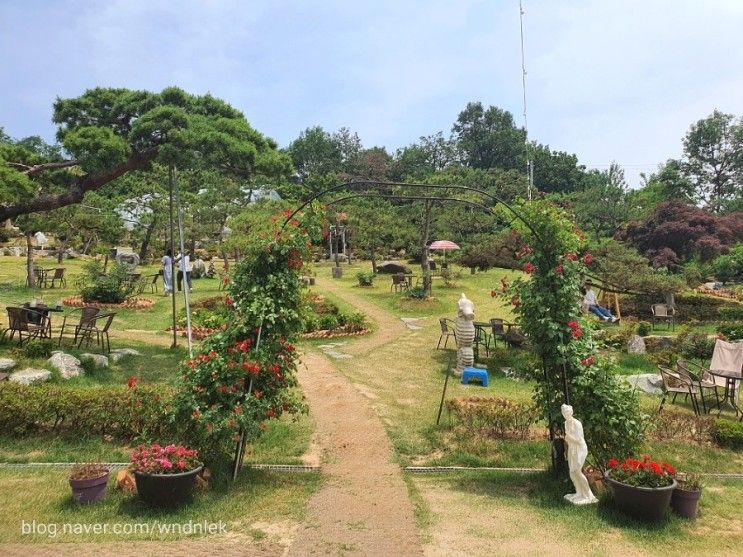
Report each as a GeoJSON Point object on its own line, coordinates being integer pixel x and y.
{"type": "Point", "coordinates": [108, 132]}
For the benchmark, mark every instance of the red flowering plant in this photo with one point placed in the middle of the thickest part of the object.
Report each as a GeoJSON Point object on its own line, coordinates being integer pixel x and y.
{"type": "Point", "coordinates": [641, 473]}
{"type": "Point", "coordinates": [171, 459]}
{"type": "Point", "coordinates": [546, 301]}
{"type": "Point", "coordinates": [245, 375]}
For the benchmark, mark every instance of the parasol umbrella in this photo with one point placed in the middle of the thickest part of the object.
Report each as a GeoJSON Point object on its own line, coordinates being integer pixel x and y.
{"type": "Point", "coordinates": [443, 245]}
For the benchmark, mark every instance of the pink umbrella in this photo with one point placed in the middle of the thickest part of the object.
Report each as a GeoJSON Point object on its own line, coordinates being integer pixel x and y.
{"type": "Point", "coordinates": [444, 245]}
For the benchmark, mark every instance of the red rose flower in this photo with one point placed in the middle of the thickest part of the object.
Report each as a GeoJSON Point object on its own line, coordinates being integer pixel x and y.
{"type": "Point", "coordinates": [613, 463]}
{"type": "Point", "coordinates": [515, 301]}
{"type": "Point", "coordinates": [571, 257]}
{"type": "Point", "coordinates": [577, 333]}
{"type": "Point", "coordinates": [588, 361]}
{"type": "Point", "coordinates": [559, 269]}
{"type": "Point", "coordinates": [529, 268]}
{"type": "Point", "coordinates": [131, 382]}
{"type": "Point", "coordinates": [588, 259]}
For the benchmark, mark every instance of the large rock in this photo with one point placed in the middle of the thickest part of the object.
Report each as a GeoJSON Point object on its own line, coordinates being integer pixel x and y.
{"type": "Point", "coordinates": [650, 383]}
{"type": "Point", "coordinates": [198, 268]}
{"type": "Point", "coordinates": [391, 268]}
{"type": "Point", "coordinates": [99, 360]}
{"type": "Point", "coordinates": [131, 259]}
{"type": "Point", "coordinates": [6, 364]}
{"type": "Point", "coordinates": [30, 375]}
{"type": "Point", "coordinates": [636, 345]}
{"type": "Point", "coordinates": [660, 343]}
{"type": "Point", "coordinates": [68, 365]}
{"type": "Point", "coordinates": [119, 353]}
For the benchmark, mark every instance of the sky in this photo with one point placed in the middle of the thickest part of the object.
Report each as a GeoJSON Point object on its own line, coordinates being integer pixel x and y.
{"type": "Point", "coordinates": [609, 81]}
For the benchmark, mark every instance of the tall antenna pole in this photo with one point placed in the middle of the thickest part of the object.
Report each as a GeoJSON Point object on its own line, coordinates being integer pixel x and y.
{"type": "Point", "coordinates": [529, 163]}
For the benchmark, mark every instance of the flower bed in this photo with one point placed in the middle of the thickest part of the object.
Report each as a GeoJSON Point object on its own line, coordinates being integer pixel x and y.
{"type": "Point", "coordinates": [323, 319]}
{"type": "Point", "coordinates": [131, 303]}
{"type": "Point", "coordinates": [197, 333]}
{"type": "Point", "coordinates": [334, 333]}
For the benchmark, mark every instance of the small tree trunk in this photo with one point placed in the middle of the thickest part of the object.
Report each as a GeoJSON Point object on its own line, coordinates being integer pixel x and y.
{"type": "Point", "coordinates": [60, 252]}
{"type": "Point", "coordinates": [30, 274]}
{"type": "Point", "coordinates": [425, 268]}
{"type": "Point", "coordinates": [374, 260]}
{"type": "Point", "coordinates": [145, 246]}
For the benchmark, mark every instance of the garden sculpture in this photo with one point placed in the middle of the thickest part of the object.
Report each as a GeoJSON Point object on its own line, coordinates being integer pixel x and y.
{"type": "Point", "coordinates": [465, 333]}
{"type": "Point", "coordinates": [577, 453]}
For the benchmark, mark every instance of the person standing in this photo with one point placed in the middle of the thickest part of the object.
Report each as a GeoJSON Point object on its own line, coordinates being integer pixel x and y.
{"type": "Point", "coordinates": [167, 262]}
{"type": "Point", "coordinates": [183, 261]}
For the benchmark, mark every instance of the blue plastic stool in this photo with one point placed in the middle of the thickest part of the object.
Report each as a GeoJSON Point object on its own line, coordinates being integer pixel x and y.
{"type": "Point", "coordinates": [470, 373]}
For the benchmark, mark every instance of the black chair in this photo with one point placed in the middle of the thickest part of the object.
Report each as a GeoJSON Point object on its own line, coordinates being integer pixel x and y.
{"type": "Point", "coordinates": [447, 331]}
{"type": "Point", "coordinates": [101, 324]}
{"type": "Point", "coordinates": [498, 331]}
{"type": "Point", "coordinates": [58, 275]}
{"type": "Point", "coordinates": [153, 281]}
{"type": "Point", "coordinates": [85, 321]}
{"type": "Point", "coordinates": [33, 324]}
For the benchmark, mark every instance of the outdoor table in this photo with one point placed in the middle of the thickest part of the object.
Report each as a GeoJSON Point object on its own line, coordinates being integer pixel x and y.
{"type": "Point", "coordinates": [731, 378]}
{"type": "Point", "coordinates": [44, 310]}
{"type": "Point", "coordinates": [481, 329]}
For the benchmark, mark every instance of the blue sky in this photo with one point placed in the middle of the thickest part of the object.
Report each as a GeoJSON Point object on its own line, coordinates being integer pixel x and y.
{"type": "Point", "coordinates": [619, 80]}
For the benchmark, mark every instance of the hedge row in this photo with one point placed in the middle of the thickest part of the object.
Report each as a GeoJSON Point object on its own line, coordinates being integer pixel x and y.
{"type": "Point", "coordinates": [688, 307]}
{"type": "Point", "coordinates": [126, 413]}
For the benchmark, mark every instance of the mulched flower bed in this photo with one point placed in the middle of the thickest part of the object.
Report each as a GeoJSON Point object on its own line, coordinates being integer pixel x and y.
{"type": "Point", "coordinates": [197, 333]}
{"type": "Point", "coordinates": [131, 303]}
{"type": "Point", "coordinates": [334, 333]}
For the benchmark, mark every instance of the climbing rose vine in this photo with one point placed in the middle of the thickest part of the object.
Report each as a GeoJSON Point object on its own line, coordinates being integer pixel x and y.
{"type": "Point", "coordinates": [245, 375]}
{"type": "Point", "coordinates": [547, 301]}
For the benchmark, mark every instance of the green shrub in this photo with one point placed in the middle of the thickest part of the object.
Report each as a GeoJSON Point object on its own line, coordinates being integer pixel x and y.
{"type": "Point", "coordinates": [365, 279]}
{"type": "Point", "coordinates": [417, 293]}
{"type": "Point", "coordinates": [328, 322]}
{"type": "Point", "coordinates": [674, 425]}
{"type": "Point", "coordinates": [728, 434]}
{"type": "Point", "coordinates": [450, 277]}
{"type": "Point", "coordinates": [615, 337]}
{"type": "Point", "coordinates": [356, 322]}
{"type": "Point", "coordinates": [732, 313]}
{"type": "Point", "coordinates": [38, 349]}
{"type": "Point", "coordinates": [644, 328]}
{"type": "Point", "coordinates": [212, 313]}
{"type": "Point", "coordinates": [111, 288]}
{"type": "Point", "coordinates": [731, 331]}
{"type": "Point", "coordinates": [127, 413]}
{"type": "Point", "coordinates": [695, 345]}
{"type": "Point", "coordinates": [730, 266]}
{"type": "Point", "coordinates": [492, 417]}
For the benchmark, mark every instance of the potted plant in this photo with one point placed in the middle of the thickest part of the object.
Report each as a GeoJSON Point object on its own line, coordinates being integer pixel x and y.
{"type": "Point", "coordinates": [165, 476]}
{"type": "Point", "coordinates": [685, 498]}
{"type": "Point", "coordinates": [641, 488]}
{"type": "Point", "coordinates": [88, 482]}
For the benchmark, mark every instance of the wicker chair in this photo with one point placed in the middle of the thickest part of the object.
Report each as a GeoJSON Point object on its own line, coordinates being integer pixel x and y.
{"type": "Point", "coordinates": [101, 324]}
{"type": "Point", "coordinates": [663, 312]}
{"type": "Point", "coordinates": [699, 381]}
{"type": "Point", "coordinates": [85, 321]}
{"type": "Point", "coordinates": [677, 383]}
{"type": "Point", "coordinates": [25, 321]}
{"type": "Point", "coordinates": [447, 330]}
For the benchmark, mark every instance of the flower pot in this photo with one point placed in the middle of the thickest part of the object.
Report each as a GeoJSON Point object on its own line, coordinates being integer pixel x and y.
{"type": "Point", "coordinates": [89, 491]}
{"type": "Point", "coordinates": [643, 503]}
{"type": "Point", "coordinates": [166, 490]}
{"type": "Point", "coordinates": [685, 503]}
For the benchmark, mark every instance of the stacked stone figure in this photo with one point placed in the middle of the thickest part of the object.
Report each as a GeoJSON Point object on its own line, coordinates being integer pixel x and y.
{"type": "Point", "coordinates": [465, 328]}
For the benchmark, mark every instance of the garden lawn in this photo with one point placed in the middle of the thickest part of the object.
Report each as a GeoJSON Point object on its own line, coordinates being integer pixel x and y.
{"type": "Point", "coordinates": [258, 505]}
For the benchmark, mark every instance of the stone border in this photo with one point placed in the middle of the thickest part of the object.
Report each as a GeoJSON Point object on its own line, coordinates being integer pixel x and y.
{"type": "Point", "coordinates": [330, 334]}
{"type": "Point", "coordinates": [131, 303]}
{"type": "Point", "coordinates": [197, 333]}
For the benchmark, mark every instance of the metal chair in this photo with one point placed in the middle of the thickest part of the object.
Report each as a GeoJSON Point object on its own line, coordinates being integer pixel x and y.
{"type": "Point", "coordinates": [26, 321]}
{"type": "Point", "coordinates": [446, 331]}
{"type": "Point", "coordinates": [698, 381]}
{"type": "Point", "coordinates": [498, 331]}
{"type": "Point", "coordinates": [86, 321]}
{"type": "Point", "coordinates": [57, 276]}
{"type": "Point", "coordinates": [663, 312]}
{"type": "Point", "coordinates": [100, 326]}
{"type": "Point", "coordinates": [399, 282]}
{"type": "Point", "coordinates": [153, 281]}
{"type": "Point", "coordinates": [677, 383]}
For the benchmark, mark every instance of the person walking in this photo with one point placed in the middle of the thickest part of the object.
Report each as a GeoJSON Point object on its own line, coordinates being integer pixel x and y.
{"type": "Point", "coordinates": [183, 262]}
{"type": "Point", "coordinates": [167, 262]}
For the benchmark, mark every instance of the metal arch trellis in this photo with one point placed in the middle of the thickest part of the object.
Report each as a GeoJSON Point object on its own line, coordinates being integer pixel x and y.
{"type": "Point", "coordinates": [377, 186]}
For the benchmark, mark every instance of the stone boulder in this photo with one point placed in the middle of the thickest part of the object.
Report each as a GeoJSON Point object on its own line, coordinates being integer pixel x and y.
{"type": "Point", "coordinates": [30, 375]}
{"type": "Point", "coordinates": [131, 259]}
{"type": "Point", "coordinates": [650, 383]}
{"type": "Point", "coordinates": [99, 360]}
{"type": "Point", "coordinates": [636, 345]}
{"type": "Point", "coordinates": [7, 364]}
{"type": "Point", "coordinates": [67, 365]}
{"type": "Point", "coordinates": [198, 268]}
{"type": "Point", "coordinates": [659, 343]}
{"type": "Point", "coordinates": [119, 353]}
{"type": "Point", "coordinates": [391, 268]}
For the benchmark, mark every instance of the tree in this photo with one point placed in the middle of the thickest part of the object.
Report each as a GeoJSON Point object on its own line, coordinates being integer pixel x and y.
{"type": "Point", "coordinates": [677, 232]}
{"type": "Point", "coordinates": [489, 138]}
{"type": "Point", "coordinates": [111, 132]}
{"type": "Point", "coordinates": [433, 153]}
{"type": "Point", "coordinates": [667, 184]}
{"type": "Point", "coordinates": [601, 206]}
{"type": "Point", "coordinates": [371, 222]}
{"type": "Point", "coordinates": [555, 171]}
{"type": "Point", "coordinates": [713, 159]}
{"type": "Point", "coordinates": [315, 151]}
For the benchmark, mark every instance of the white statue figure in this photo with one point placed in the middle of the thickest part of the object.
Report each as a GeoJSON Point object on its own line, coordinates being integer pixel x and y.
{"type": "Point", "coordinates": [465, 329]}
{"type": "Point", "coordinates": [577, 453]}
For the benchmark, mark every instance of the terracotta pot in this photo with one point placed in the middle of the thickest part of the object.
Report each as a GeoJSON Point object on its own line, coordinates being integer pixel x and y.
{"type": "Point", "coordinates": [89, 491]}
{"type": "Point", "coordinates": [643, 503]}
{"type": "Point", "coordinates": [166, 490]}
{"type": "Point", "coordinates": [685, 503]}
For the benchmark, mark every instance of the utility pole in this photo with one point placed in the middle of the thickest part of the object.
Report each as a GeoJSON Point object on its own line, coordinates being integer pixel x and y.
{"type": "Point", "coordinates": [529, 162]}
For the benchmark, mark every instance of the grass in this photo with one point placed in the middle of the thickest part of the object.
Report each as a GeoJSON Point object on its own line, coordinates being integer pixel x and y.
{"type": "Point", "coordinates": [257, 498]}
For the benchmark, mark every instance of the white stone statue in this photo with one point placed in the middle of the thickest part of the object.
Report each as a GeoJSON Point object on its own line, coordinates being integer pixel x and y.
{"type": "Point", "coordinates": [577, 453]}
{"type": "Point", "coordinates": [465, 328]}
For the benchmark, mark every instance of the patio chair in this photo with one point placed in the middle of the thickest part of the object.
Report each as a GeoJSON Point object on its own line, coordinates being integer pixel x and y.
{"type": "Point", "coordinates": [153, 281]}
{"type": "Point", "coordinates": [100, 326]}
{"type": "Point", "coordinates": [698, 380]}
{"type": "Point", "coordinates": [399, 282]}
{"type": "Point", "coordinates": [447, 330]}
{"type": "Point", "coordinates": [675, 383]}
{"type": "Point", "coordinates": [86, 320]}
{"type": "Point", "coordinates": [24, 321]}
{"type": "Point", "coordinates": [57, 276]}
{"type": "Point", "coordinates": [498, 331]}
{"type": "Point", "coordinates": [482, 338]}
{"type": "Point", "coordinates": [726, 356]}
{"type": "Point", "coordinates": [663, 312]}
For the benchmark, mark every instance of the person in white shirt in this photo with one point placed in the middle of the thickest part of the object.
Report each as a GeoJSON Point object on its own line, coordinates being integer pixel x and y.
{"type": "Point", "coordinates": [592, 304]}
{"type": "Point", "coordinates": [183, 262]}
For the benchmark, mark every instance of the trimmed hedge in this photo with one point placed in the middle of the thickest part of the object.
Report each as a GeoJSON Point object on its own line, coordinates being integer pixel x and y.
{"type": "Point", "coordinates": [492, 417]}
{"type": "Point", "coordinates": [688, 307]}
{"type": "Point", "coordinates": [126, 413]}
{"type": "Point", "coordinates": [728, 434]}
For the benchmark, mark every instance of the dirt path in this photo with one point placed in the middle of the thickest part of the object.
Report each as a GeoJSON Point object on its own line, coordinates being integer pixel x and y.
{"type": "Point", "coordinates": [363, 508]}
